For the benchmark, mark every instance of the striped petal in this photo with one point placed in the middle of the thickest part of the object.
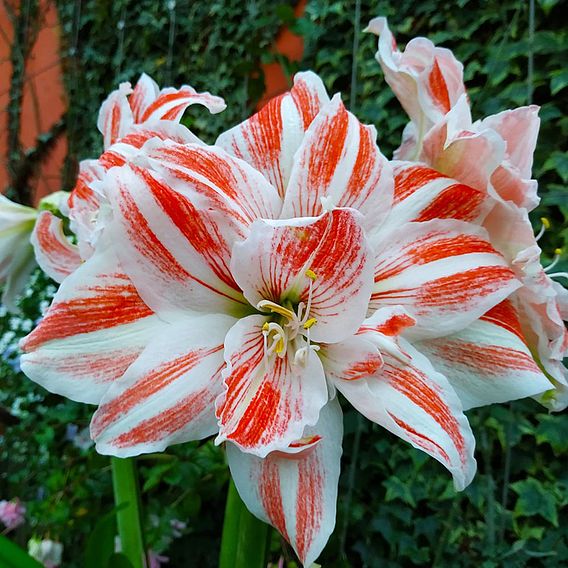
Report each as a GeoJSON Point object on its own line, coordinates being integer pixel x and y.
{"type": "Point", "coordinates": [489, 361]}
{"type": "Point", "coordinates": [167, 395]}
{"type": "Point", "coordinates": [54, 253]}
{"type": "Point", "coordinates": [144, 94]}
{"type": "Point", "coordinates": [422, 194]}
{"type": "Point", "coordinates": [296, 494]}
{"type": "Point", "coordinates": [216, 180]}
{"type": "Point", "coordinates": [269, 139]}
{"type": "Point", "coordinates": [95, 328]}
{"type": "Point", "coordinates": [176, 254]}
{"type": "Point", "coordinates": [268, 400]}
{"type": "Point", "coordinates": [115, 115]}
{"type": "Point", "coordinates": [272, 264]}
{"type": "Point", "coordinates": [427, 80]}
{"type": "Point", "coordinates": [127, 148]}
{"type": "Point", "coordinates": [412, 400]}
{"type": "Point", "coordinates": [444, 272]}
{"type": "Point", "coordinates": [463, 151]}
{"type": "Point", "coordinates": [171, 103]}
{"type": "Point", "coordinates": [339, 165]}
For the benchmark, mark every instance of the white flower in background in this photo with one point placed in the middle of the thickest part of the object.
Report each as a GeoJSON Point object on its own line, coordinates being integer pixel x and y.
{"type": "Point", "coordinates": [48, 552]}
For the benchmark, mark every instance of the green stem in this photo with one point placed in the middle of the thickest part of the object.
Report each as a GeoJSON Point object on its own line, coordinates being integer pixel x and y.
{"type": "Point", "coordinates": [244, 540]}
{"type": "Point", "coordinates": [127, 499]}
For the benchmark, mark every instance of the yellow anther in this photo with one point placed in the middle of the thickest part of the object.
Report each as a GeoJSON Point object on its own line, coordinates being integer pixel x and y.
{"type": "Point", "coordinates": [310, 322]}
{"type": "Point", "coordinates": [275, 308]}
{"type": "Point", "coordinates": [265, 327]}
{"type": "Point", "coordinates": [558, 251]}
{"type": "Point", "coordinates": [279, 346]}
{"type": "Point", "coordinates": [311, 274]}
{"type": "Point", "coordinates": [545, 222]}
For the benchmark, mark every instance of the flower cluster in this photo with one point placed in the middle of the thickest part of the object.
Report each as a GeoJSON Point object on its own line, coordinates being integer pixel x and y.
{"type": "Point", "coordinates": [232, 289]}
{"type": "Point", "coordinates": [12, 513]}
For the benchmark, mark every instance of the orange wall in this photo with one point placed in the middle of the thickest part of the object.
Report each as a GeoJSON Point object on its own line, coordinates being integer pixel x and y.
{"type": "Point", "coordinates": [44, 97]}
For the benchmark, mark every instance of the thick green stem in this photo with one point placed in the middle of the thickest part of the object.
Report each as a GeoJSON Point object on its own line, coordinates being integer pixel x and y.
{"type": "Point", "coordinates": [127, 499]}
{"type": "Point", "coordinates": [245, 538]}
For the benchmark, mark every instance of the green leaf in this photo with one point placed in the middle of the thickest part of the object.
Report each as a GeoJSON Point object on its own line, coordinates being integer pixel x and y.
{"type": "Point", "coordinates": [558, 81]}
{"type": "Point", "coordinates": [12, 556]}
{"type": "Point", "coordinates": [535, 499]}
{"type": "Point", "coordinates": [558, 161]}
{"type": "Point", "coordinates": [100, 546]}
{"type": "Point", "coordinates": [118, 560]}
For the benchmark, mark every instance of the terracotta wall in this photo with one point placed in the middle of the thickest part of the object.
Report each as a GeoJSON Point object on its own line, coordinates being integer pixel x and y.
{"type": "Point", "coordinates": [44, 95]}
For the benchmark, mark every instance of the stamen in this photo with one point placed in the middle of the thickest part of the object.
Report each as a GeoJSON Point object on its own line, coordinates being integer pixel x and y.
{"type": "Point", "coordinates": [310, 323]}
{"type": "Point", "coordinates": [559, 275]}
{"type": "Point", "coordinates": [311, 274]}
{"type": "Point", "coordinates": [275, 308]}
{"type": "Point", "coordinates": [555, 260]}
{"type": "Point", "coordinates": [544, 227]}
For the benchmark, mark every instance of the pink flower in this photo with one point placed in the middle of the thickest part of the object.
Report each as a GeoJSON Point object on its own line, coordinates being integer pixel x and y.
{"type": "Point", "coordinates": [12, 513]}
{"type": "Point", "coordinates": [156, 560]}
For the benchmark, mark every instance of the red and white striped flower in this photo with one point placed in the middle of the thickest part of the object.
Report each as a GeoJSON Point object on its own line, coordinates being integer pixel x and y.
{"type": "Point", "coordinates": [237, 286]}
{"type": "Point", "coordinates": [127, 119]}
{"type": "Point", "coordinates": [480, 172]}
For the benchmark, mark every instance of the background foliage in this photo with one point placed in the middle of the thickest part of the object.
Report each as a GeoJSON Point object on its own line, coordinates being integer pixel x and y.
{"type": "Point", "coordinates": [397, 507]}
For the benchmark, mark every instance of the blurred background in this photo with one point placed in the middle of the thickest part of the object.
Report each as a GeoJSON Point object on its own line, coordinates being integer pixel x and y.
{"type": "Point", "coordinates": [397, 507]}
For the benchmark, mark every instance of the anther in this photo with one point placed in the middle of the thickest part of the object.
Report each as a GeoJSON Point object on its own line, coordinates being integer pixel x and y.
{"type": "Point", "coordinates": [311, 275]}
{"type": "Point", "coordinates": [555, 260]}
{"type": "Point", "coordinates": [544, 227]}
{"type": "Point", "coordinates": [309, 323]}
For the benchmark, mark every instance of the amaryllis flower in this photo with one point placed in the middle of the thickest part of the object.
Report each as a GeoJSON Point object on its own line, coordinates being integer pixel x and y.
{"type": "Point", "coordinates": [427, 80]}
{"type": "Point", "coordinates": [242, 286]}
{"type": "Point", "coordinates": [16, 254]}
{"type": "Point", "coordinates": [12, 513]}
{"type": "Point", "coordinates": [17, 224]}
{"type": "Point", "coordinates": [491, 157]}
{"type": "Point", "coordinates": [127, 119]}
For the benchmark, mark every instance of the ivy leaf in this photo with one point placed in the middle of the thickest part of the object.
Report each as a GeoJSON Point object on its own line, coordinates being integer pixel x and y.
{"type": "Point", "coordinates": [535, 499]}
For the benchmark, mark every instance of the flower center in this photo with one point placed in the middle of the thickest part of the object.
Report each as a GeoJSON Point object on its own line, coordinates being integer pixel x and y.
{"type": "Point", "coordinates": [292, 331]}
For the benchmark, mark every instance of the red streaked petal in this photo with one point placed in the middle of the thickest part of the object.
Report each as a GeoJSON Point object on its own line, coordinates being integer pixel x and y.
{"type": "Point", "coordinates": [115, 115]}
{"type": "Point", "coordinates": [175, 253]}
{"type": "Point", "coordinates": [269, 139]}
{"type": "Point", "coordinates": [215, 180]}
{"type": "Point", "coordinates": [56, 256]}
{"type": "Point", "coordinates": [340, 163]}
{"type": "Point", "coordinates": [415, 402]}
{"type": "Point", "coordinates": [424, 194]}
{"type": "Point", "coordinates": [443, 272]}
{"type": "Point", "coordinates": [296, 494]}
{"type": "Point", "coordinates": [427, 80]}
{"type": "Point", "coordinates": [171, 103]}
{"type": "Point", "coordinates": [351, 359]}
{"type": "Point", "coordinates": [271, 264]}
{"type": "Point", "coordinates": [95, 328]}
{"type": "Point", "coordinates": [267, 403]}
{"type": "Point", "coordinates": [144, 94]}
{"type": "Point", "coordinates": [489, 361]}
{"type": "Point", "coordinates": [167, 395]}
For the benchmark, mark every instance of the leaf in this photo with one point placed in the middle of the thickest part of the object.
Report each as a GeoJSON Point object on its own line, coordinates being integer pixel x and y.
{"type": "Point", "coordinates": [101, 544]}
{"type": "Point", "coordinates": [12, 556]}
{"type": "Point", "coordinates": [535, 499]}
{"type": "Point", "coordinates": [118, 560]}
{"type": "Point", "coordinates": [397, 489]}
{"type": "Point", "coordinates": [558, 161]}
{"type": "Point", "coordinates": [558, 81]}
